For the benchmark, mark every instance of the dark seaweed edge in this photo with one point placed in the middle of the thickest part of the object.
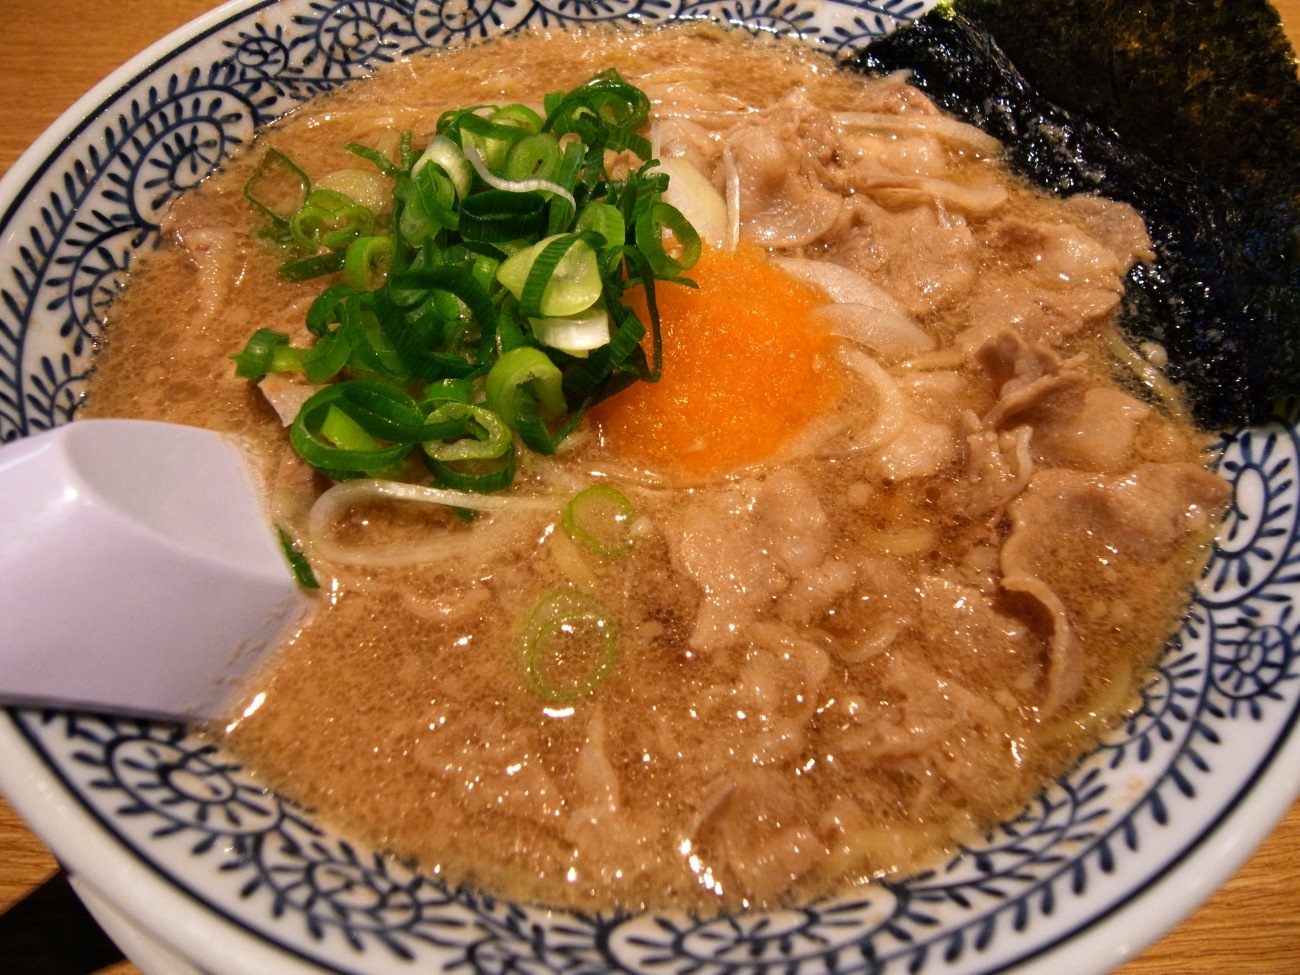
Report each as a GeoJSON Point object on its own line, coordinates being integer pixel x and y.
{"type": "Point", "coordinates": [1223, 295]}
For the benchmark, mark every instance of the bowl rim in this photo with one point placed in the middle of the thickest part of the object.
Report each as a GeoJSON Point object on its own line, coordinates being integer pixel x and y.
{"type": "Point", "coordinates": [21, 177]}
{"type": "Point", "coordinates": [201, 931]}
{"type": "Point", "coordinates": [89, 848]}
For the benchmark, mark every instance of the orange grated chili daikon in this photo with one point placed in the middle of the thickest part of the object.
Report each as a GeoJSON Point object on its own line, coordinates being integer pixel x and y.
{"type": "Point", "coordinates": [745, 367]}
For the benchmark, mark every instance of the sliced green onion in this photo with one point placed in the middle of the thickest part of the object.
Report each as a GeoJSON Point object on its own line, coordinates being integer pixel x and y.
{"type": "Point", "coordinates": [487, 279]}
{"type": "Point", "coordinates": [523, 382]}
{"type": "Point", "coordinates": [346, 433]}
{"type": "Point", "coordinates": [312, 267]}
{"type": "Point", "coordinates": [534, 157]}
{"type": "Point", "coordinates": [370, 354]}
{"type": "Point", "coordinates": [278, 187]}
{"type": "Point", "coordinates": [568, 646]}
{"type": "Point", "coordinates": [537, 436]}
{"type": "Point", "coordinates": [495, 216]}
{"type": "Point", "coordinates": [340, 428]}
{"type": "Point", "coordinates": [616, 103]}
{"type": "Point", "coordinates": [411, 337]}
{"type": "Point", "coordinates": [650, 227]}
{"type": "Point", "coordinates": [475, 433]}
{"type": "Point", "coordinates": [520, 116]}
{"type": "Point", "coordinates": [324, 310]}
{"type": "Point", "coordinates": [451, 158]}
{"type": "Point", "coordinates": [480, 475]}
{"type": "Point", "coordinates": [383, 410]}
{"type": "Point", "coordinates": [365, 266]}
{"type": "Point", "coordinates": [645, 274]}
{"type": "Point", "coordinates": [556, 276]}
{"type": "Point", "coordinates": [327, 357]}
{"type": "Point", "coordinates": [563, 208]}
{"type": "Point", "coordinates": [430, 205]}
{"type": "Point", "coordinates": [258, 355]}
{"type": "Point", "coordinates": [376, 158]}
{"type": "Point", "coordinates": [600, 365]}
{"type": "Point", "coordinates": [302, 570]}
{"type": "Point", "coordinates": [445, 390]}
{"type": "Point", "coordinates": [368, 188]}
{"type": "Point", "coordinates": [604, 219]}
{"type": "Point", "coordinates": [600, 518]}
{"type": "Point", "coordinates": [330, 219]}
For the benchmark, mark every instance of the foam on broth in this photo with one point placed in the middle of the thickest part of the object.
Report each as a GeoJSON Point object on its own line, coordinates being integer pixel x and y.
{"type": "Point", "coordinates": [902, 654]}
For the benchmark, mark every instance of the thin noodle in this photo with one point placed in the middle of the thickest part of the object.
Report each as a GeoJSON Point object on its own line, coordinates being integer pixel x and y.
{"type": "Point", "coordinates": [479, 544]}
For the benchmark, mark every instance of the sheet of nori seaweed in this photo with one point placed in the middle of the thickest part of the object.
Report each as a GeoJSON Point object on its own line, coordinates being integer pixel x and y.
{"type": "Point", "coordinates": [1207, 83]}
{"type": "Point", "coordinates": [1223, 295]}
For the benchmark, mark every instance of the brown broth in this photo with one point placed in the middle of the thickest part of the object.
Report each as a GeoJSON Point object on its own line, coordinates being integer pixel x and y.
{"type": "Point", "coordinates": [815, 749]}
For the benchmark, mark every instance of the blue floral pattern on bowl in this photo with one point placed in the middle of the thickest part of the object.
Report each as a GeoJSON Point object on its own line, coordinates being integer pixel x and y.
{"type": "Point", "coordinates": [1212, 722]}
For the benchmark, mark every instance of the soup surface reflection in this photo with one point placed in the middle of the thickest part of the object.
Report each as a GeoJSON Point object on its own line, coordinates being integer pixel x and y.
{"type": "Point", "coordinates": [927, 566]}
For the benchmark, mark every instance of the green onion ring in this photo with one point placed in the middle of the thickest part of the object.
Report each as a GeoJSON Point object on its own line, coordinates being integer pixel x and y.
{"type": "Point", "coordinates": [382, 411]}
{"type": "Point", "coordinates": [366, 263]}
{"type": "Point", "coordinates": [479, 433]}
{"type": "Point", "coordinates": [275, 164]}
{"type": "Point", "coordinates": [595, 514]}
{"type": "Point", "coordinates": [649, 238]}
{"type": "Point", "coordinates": [482, 476]}
{"type": "Point", "coordinates": [565, 615]}
{"type": "Point", "coordinates": [525, 381]}
{"type": "Point", "coordinates": [534, 157]}
{"type": "Point", "coordinates": [254, 362]}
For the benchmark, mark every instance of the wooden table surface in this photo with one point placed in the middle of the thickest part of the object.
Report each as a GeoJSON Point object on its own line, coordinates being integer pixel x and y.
{"type": "Point", "coordinates": [1247, 928]}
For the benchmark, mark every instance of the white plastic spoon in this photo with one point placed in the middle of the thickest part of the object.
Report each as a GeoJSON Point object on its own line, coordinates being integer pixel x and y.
{"type": "Point", "coordinates": [138, 572]}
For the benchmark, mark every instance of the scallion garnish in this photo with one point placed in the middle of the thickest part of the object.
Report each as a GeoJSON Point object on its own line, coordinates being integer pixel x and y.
{"type": "Point", "coordinates": [298, 563]}
{"type": "Point", "coordinates": [568, 645]}
{"type": "Point", "coordinates": [600, 518]}
{"type": "Point", "coordinates": [278, 188]}
{"type": "Point", "coordinates": [484, 303]}
{"type": "Point", "coordinates": [366, 262]}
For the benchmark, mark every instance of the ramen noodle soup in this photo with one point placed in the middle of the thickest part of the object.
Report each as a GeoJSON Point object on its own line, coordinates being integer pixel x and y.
{"type": "Point", "coordinates": [896, 537]}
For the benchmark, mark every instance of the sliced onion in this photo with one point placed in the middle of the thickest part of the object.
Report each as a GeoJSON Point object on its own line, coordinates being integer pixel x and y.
{"type": "Point", "coordinates": [891, 411]}
{"type": "Point", "coordinates": [841, 284]}
{"type": "Point", "coordinates": [894, 336]}
{"type": "Point", "coordinates": [690, 191]}
{"type": "Point", "coordinates": [286, 394]}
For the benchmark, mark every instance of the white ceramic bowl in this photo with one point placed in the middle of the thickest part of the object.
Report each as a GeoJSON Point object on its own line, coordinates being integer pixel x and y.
{"type": "Point", "coordinates": [193, 866]}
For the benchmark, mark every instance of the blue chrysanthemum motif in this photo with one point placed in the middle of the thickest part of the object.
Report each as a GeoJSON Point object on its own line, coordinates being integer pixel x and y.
{"type": "Point", "coordinates": [343, 40]}
{"type": "Point", "coordinates": [438, 22]}
{"type": "Point", "coordinates": [1260, 526]}
{"type": "Point", "coordinates": [560, 12]}
{"type": "Point", "coordinates": [816, 938]}
{"type": "Point", "coordinates": [851, 25]}
{"type": "Point", "coordinates": [262, 53]}
{"type": "Point", "coordinates": [775, 16]}
{"type": "Point", "coordinates": [1225, 692]}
